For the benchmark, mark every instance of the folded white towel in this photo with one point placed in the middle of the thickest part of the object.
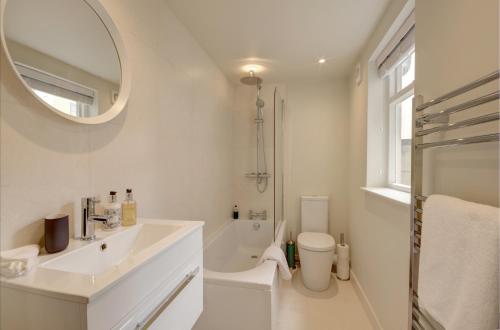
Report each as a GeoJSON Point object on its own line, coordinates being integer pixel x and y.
{"type": "Point", "coordinates": [275, 253]}
{"type": "Point", "coordinates": [17, 262]}
{"type": "Point", "coordinates": [459, 263]}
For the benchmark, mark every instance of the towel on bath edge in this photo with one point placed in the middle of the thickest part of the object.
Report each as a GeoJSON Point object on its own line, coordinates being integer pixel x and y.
{"type": "Point", "coordinates": [275, 253]}
{"type": "Point", "coordinates": [459, 263]}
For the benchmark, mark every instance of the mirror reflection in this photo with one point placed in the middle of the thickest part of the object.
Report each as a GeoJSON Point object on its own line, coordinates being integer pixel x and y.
{"type": "Point", "coordinates": [69, 61]}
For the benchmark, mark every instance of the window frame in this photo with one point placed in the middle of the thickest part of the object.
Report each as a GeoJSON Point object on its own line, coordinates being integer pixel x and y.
{"type": "Point", "coordinates": [395, 96]}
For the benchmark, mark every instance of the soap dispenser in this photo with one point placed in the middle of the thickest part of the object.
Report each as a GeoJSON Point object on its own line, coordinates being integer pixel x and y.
{"type": "Point", "coordinates": [236, 213]}
{"type": "Point", "coordinates": [112, 209]}
{"type": "Point", "coordinates": [129, 210]}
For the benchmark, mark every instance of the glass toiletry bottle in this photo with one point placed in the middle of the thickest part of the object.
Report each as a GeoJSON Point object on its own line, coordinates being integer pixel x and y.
{"type": "Point", "coordinates": [129, 210]}
{"type": "Point", "coordinates": [112, 209]}
{"type": "Point", "coordinates": [236, 213]}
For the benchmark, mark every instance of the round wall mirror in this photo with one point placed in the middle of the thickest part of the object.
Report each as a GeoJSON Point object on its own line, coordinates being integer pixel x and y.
{"type": "Point", "coordinates": [69, 55]}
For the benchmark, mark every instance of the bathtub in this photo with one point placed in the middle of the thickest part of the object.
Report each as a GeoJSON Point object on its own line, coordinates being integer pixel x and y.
{"type": "Point", "coordinates": [238, 293]}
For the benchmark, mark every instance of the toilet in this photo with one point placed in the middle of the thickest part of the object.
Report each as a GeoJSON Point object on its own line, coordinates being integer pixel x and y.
{"type": "Point", "coordinates": [316, 246]}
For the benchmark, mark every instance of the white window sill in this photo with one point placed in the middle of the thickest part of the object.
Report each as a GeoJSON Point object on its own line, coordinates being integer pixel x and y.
{"type": "Point", "coordinates": [400, 197]}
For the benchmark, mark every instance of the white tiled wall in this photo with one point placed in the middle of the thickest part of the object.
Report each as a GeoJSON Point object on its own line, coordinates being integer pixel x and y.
{"type": "Point", "coordinates": [465, 53]}
{"type": "Point", "coordinates": [316, 150]}
{"type": "Point", "coordinates": [244, 149]}
{"type": "Point", "coordinates": [449, 53]}
{"type": "Point", "coordinates": [172, 144]}
{"type": "Point", "coordinates": [378, 228]}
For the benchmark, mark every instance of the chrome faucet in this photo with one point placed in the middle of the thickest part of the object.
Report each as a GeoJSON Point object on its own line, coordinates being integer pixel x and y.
{"type": "Point", "coordinates": [257, 215]}
{"type": "Point", "coordinates": [89, 218]}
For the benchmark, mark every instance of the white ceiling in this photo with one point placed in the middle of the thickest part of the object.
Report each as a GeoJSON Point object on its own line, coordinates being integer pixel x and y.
{"type": "Point", "coordinates": [68, 30]}
{"type": "Point", "coordinates": [287, 37]}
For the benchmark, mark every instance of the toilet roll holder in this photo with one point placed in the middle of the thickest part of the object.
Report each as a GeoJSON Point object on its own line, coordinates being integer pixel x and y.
{"type": "Point", "coordinates": [342, 263]}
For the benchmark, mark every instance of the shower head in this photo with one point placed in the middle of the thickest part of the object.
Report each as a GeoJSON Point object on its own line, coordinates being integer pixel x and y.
{"type": "Point", "coordinates": [251, 80]}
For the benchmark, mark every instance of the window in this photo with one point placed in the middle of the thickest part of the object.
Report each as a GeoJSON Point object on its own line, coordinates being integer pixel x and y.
{"type": "Point", "coordinates": [65, 95]}
{"type": "Point", "coordinates": [391, 75]}
{"type": "Point", "coordinates": [70, 107]}
{"type": "Point", "coordinates": [400, 82]}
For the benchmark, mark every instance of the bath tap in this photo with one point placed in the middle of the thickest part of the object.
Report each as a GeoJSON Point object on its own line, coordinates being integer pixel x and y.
{"type": "Point", "coordinates": [89, 218]}
{"type": "Point", "coordinates": [262, 215]}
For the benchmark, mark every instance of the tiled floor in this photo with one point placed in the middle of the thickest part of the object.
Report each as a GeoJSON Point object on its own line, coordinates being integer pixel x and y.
{"type": "Point", "coordinates": [336, 308]}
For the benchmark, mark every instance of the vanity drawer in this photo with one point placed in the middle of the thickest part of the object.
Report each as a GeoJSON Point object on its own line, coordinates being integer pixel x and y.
{"type": "Point", "coordinates": [131, 294]}
{"type": "Point", "coordinates": [176, 305]}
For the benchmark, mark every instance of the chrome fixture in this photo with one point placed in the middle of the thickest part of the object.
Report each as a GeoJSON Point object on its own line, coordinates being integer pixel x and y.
{"type": "Point", "coordinates": [254, 175]}
{"type": "Point", "coordinates": [251, 79]}
{"type": "Point", "coordinates": [419, 318]}
{"type": "Point", "coordinates": [89, 218]}
{"type": "Point", "coordinates": [262, 215]}
{"type": "Point", "coordinates": [261, 175]}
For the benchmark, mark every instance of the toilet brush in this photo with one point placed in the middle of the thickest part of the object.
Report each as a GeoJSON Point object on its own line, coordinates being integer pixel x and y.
{"type": "Point", "coordinates": [290, 252]}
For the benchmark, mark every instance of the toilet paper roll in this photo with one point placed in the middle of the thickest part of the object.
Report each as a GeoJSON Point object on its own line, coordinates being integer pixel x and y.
{"type": "Point", "coordinates": [343, 262]}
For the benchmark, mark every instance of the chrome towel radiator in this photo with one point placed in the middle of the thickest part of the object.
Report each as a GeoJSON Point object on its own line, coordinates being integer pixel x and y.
{"type": "Point", "coordinates": [419, 319]}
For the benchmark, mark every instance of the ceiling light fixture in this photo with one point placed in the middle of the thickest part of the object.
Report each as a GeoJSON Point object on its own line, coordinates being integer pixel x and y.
{"type": "Point", "coordinates": [255, 68]}
{"type": "Point", "coordinates": [321, 60]}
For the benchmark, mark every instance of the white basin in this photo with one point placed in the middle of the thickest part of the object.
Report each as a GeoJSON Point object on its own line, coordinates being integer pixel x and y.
{"type": "Point", "coordinates": [110, 252]}
{"type": "Point", "coordinates": [120, 286]}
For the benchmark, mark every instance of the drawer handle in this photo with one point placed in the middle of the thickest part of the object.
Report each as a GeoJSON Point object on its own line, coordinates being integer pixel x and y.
{"type": "Point", "coordinates": [146, 323]}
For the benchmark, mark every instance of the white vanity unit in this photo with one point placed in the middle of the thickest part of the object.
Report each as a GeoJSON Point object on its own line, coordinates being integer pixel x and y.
{"type": "Point", "coordinates": [146, 276]}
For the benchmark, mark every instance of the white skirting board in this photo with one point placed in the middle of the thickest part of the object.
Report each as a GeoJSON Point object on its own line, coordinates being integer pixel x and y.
{"type": "Point", "coordinates": [366, 303]}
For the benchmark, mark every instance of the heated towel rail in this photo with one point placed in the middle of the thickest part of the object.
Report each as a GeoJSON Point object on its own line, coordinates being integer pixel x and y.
{"type": "Point", "coordinates": [419, 319]}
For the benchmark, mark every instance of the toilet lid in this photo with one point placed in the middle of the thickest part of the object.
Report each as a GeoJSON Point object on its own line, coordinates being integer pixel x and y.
{"type": "Point", "coordinates": [316, 241]}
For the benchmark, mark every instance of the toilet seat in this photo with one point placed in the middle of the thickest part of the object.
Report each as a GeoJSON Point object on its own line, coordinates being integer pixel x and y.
{"type": "Point", "coordinates": [318, 242]}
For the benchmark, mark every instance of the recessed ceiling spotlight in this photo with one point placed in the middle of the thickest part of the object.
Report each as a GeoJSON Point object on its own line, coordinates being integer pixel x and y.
{"type": "Point", "coordinates": [321, 60]}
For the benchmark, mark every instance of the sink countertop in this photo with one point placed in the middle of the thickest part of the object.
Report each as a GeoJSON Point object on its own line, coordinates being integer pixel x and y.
{"type": "Point", "coordinates": [83, 288]}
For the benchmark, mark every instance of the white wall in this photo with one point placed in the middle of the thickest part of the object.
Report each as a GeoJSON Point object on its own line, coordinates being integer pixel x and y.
{"type": "Point", "coordinates": [379, 229]}
{"type": "Point", "coordinates": [316, 149]}
{"type": "Point", "coordinates": [457, 41]}
{"type": "Point", "coordinates": [172, 144]}
{"type": "Point", "coordinates": [245, 191]}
